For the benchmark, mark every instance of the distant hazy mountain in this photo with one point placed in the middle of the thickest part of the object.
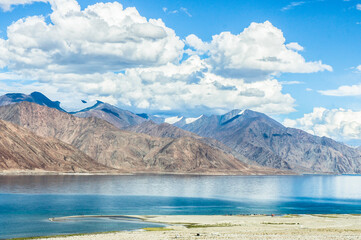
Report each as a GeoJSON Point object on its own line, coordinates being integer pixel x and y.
{"type": "Point", "coordinates": [131, 152]}
{"type": "Point", "coordinates": [116, 116]}
{"type": "Point", "coordinates": [181, 121]}
{"type": "Point", "coordinates": [153, 118]}
{"type": "Point", "coordinates": [22, 150]}
{"type": "Point", "coordinates": [35, 97]}
{"type": "Point", "coordinates": [267, 142]}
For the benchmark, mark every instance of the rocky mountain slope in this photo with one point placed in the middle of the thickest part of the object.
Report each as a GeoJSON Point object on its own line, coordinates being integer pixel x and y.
{"type": "Point", "coordinates": [269, 143]}
{"type": "Point", "coordinates": [22, 150]}
{"type": "Point", "coordinates": [35, 97]}
{"type": "Point", "coordinates": [116, 116]}
{"type": "Point", "coordinates": [147, 124]}
{"type": "Point", "coordinates": [131, 152]}
{"type": "Point", "coordinates": [161, 130]}
{"type": "Point", "coordinates": [166, 130]}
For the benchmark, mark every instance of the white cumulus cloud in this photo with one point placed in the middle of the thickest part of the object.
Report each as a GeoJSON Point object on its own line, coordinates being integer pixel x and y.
{"type": "Point", "coordinates": [187, 88]}
{"type": "Point", "coordinates": [190, 87]}
{"type": "Point", "coordinates": [340, 124]}
{"type": "Point", "coordinates": [258, 51]}
{"type": "Point", "coordinates": [103, 37]}
{"type": "Point", "coordinates": [343, 91]}
{"type": "Point", "coordinates": [294, 46]}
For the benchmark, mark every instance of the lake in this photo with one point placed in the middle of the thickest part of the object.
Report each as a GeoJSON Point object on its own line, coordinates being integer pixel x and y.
{"type": "Point", "coordinates": [27, 202]}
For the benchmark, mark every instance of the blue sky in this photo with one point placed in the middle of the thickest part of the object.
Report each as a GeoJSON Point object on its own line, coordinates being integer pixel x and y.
{"type": "Point", "coordinates": [166, 77]}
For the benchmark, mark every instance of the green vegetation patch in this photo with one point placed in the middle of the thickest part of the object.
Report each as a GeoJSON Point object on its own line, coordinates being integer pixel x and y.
{"type": "Point", "coordinates": [154, 229]}
{"type": "Point", "coordinates": [328, 215]}
{"type": "Point", "coordinates": [290, 215]}
{"type": "Point", "coordinates": [280, 223]}
{"type": "Point", "coordinates": [195, 225]}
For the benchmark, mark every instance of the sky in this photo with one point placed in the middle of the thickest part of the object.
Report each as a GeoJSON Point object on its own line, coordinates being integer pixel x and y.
{"type": "Point", "coordinates": [297, 61]}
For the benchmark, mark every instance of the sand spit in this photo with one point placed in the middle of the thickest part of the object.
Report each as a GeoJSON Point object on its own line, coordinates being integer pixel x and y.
{"type": "Point", "coordinates": [123, 217]}
{"type": "Point", "coordinates": [288, 227]}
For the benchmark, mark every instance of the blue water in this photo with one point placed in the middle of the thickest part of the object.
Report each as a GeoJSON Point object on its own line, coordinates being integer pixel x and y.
{"type": "Point", "coordinates": [27, 202]}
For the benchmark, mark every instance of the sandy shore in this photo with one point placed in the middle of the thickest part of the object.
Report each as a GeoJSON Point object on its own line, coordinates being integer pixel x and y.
{"type": "Point", "coordinates": [242, 227]}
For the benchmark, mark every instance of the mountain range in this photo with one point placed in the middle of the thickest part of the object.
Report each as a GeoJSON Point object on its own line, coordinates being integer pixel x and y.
{"type": "Point", "coordinates": [123, 150]}
{"type": "Point", "coordinates": [258, 139]}
{"type": "Point", "coordinates": [238, 142]}
{"type": "Point", "coordinates": [267, 142]}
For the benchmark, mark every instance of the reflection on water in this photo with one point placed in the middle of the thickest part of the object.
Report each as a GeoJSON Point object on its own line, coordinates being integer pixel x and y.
{"type": "Point", "coordinates": [225, 187]}
{"type": "Point", "coordinates": [27, 202]}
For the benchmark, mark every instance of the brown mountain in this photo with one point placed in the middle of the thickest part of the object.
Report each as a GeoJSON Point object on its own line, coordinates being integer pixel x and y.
{"type": "Point", "coordinates": [269, 143]}
{"type": "Point", "coordinates": [22, 150]}
{"type": "Point", "coordinates": [116, 116]}
{"type": "Point", "coordinates": [161, 130]}
{"type": "Point", "coordinates": [166, 130]}
{"type": "Point", "coordinates": [132, 152]}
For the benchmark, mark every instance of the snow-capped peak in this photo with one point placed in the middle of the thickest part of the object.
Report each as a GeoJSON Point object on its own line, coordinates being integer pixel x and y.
{"type": "Point", "coordinates": [172, 120]}
{"type": "Point", "coordinates": [190, 120]}
{"type": "Point", "coordinates": [241, 112]}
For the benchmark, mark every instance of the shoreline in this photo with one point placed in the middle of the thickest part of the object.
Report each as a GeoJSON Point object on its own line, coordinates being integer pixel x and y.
{"type": "Point", "coordinates": [285, 227]}
{"type": "Point", "coordinates": [55, 173]}
{"type": "Point", "coordinates": [50, 173]}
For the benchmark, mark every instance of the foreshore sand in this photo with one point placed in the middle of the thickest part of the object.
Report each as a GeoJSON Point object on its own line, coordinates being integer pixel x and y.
{"type": "Point", "coordinates": [338, 226]}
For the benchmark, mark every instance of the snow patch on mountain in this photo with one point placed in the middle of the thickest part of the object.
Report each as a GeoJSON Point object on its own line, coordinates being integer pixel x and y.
{"type": "Point", "coordinates": [172, 120]}
{"type": "Point", "coordinates": [241, 112]}
{"type": "Point", "coordinates": [190, 120]}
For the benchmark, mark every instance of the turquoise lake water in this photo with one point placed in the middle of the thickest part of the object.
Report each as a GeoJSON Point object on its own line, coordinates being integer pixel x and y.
{"type": "Point", "coordinates": [27, 202]}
